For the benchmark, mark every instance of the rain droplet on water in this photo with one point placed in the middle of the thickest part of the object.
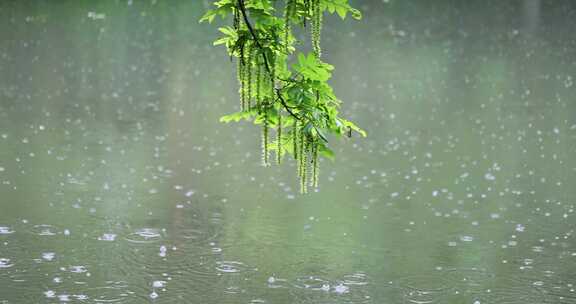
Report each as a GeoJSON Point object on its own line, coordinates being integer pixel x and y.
{"type": "Point", "coordinates": [50, 294]}
{"type": "Point", "coordinates": [48, 256]}
{"type": "Point", "coordinates": [108, 237]}
{"type": "Point", "coordinates": [341, 288]}
{"type": "Point", "coordinates": [159, 284]}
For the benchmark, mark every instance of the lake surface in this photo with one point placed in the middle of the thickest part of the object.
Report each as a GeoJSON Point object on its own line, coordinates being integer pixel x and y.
{"type": "Point", "coordinates": [119, 185]}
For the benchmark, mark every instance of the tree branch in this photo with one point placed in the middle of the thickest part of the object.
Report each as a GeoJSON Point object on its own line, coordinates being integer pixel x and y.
{"type": "Point", "coordinates": [266, 63]}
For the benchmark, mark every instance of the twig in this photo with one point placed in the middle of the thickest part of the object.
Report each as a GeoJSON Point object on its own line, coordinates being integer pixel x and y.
{"type": "Point", "coordinates": [266, 64]}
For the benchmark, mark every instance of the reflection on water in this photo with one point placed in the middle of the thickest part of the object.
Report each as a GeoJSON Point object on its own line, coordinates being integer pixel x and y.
{"type": "Point", "coordinates": [118, 184]}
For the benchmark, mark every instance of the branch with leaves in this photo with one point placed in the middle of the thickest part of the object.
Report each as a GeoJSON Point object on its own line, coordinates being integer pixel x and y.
{"type": "Point", "coordinates": [294, 100]}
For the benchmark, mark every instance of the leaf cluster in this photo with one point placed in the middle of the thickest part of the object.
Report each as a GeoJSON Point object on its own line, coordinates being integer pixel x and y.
{"type": "Point", "coordinates": [294, 99]}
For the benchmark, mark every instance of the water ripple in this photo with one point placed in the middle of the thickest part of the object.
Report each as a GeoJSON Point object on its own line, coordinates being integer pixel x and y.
{"type": "Point", "coordinates": [314, 289]}
{"type": "Point", "coordinates": [357, 279]}
{"type": "Point", "coordinates": [113, 292]}
{"type": "Point", "coordinates": [5, 230]}
{"type": "Point", "coordinates": [144, 235]}
{"type": "Point", "coordinates": [5, 263]}
{"type": "Point", "coordinates": [45, 230]}
{"type": "Point", "coordinates": [231, 267]}
{"type": "Point", "coordinates": [421, 289]}
{"type": "Point", "coordinates": [312, 283]}
{"type": "Point", "coordinates": [513, 294]}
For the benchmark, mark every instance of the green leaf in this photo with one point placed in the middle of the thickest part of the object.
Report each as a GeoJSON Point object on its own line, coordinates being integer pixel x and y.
{"type": "Point", "coordinates": [354, 127]}
{"type": "Point", "coordinates": [227, 31]}
{"type": "Point", "coordinates": [342, 11]}
{"type": "Point", "coordinates": [342, 8]}
{"type": "Point", "coordinates": [326, 152]}
{"type": "Point", "coordinates": [223, 40]}
{"type": "Point", "coordinates": [356, 14]}
{"type": "Point", "coordinates": [236, 117]}
{"type": "Point", "coordinates": [321, 134]}
{"type": "Point", "coordinates": [312, 68]}
{"type": "Point", "coordinates": [209, 16]}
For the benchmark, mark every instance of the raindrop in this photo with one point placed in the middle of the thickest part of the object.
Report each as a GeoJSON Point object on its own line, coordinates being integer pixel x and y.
{"type": "Point", "coordinates": [48, 256]}
{"type": "Point", "coordinates": [489, 176]}
{"type": "Point", "coordinates": [50, 294]}
{"type": "Point", "coordinates": [108, 237]}
{"type": "Point", "coordinates": [5, 263]}
{"type": "Point", "coordinates": [159, 284]}
{"type": "Point", "coordinates": [341, 289]}
{"type": "Point", "coordinates": [5, 230]}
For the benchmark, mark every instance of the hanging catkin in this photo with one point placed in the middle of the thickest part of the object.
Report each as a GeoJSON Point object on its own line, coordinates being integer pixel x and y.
{"type": "Point", "coordinates": [295, 139]}
{"type": "Point", "coordinates": [304, 169]}
{"type": "Point", "coordinates": [315, 165]}
{"type": "Point", "coordinates": [316, 27]}
{"type": "Point", "coordinates": [287, 29]}
{"type": "Point", "coordinates": [249, 63]}
{"type": "Point", "coordinates": [236, 20]}
{"type": "Point", "coordinates": [258, 82]}
{"type": "Point", "coordinates": [272, 76]}
{"type": "Point", "coordinates": [265, 131]}
{"type": "Point", "coordinates": [300, 153]}
{"type": "Point", "coordinates": [279, 138]}
{"type": "Point", "coordinates": [240, 73]}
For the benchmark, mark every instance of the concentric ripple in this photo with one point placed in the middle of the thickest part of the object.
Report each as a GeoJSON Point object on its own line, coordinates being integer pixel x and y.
{"type": "Point", "coordinates": [348, 289]}
{"type": "Point", "coordinates": [514, 295]}
{"type": "Point", "coordinates": [113, 292]}
{"type": "Point", "coordinates": [422, 289]}
{"type": "Point", "coordinates": [355, 279]}
{"type": "Point", "coordinates": [45, 230]}
{"type": "Point", "coordinates": [231, 267]}
{"type": "Point", "coordinates": [312, 283]}
{"type": "Point", "coordinates": [144, 235]}
{"type": "Point", "coordinates": [6, 263]}
{"type": "Point", "coordinates": [4, 230]}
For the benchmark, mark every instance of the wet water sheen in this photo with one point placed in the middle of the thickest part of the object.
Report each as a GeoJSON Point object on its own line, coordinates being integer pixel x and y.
{"type": "Point", "coordinates": [119, 185]}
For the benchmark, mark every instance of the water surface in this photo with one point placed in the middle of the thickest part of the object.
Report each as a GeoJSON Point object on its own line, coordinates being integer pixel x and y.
{"type": "Point", "coordinates": [119, 185]}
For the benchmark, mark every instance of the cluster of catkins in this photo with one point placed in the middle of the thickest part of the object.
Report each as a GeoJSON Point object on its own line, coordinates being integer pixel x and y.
{"type": "Point", "coordinates": [257, 79]}
{"type": "Point", "coordinates": [305, 152]}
